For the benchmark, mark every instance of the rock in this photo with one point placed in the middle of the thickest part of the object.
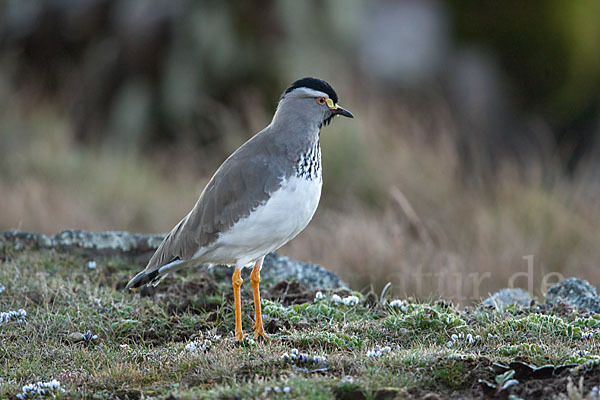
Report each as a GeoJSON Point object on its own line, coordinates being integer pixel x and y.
{"type": "Point", "coordinates": [278, 268]}
{"type": "Point", "coordinates": [93, 244]}
{"type": "Point", "coordinates": [312, 276]}
{"type": "Point", "coordinates": [505, 297]}
{"type": "Point", "coordinates": [75, 337]}
{"type": "Point", "coordinates": [140, 248]}
{"type": "Point", "coordinates": [574, 293]}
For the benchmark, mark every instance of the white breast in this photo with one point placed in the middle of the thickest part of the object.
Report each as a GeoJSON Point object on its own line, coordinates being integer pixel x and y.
{"type": "Point", "coordinates": [270, 226]}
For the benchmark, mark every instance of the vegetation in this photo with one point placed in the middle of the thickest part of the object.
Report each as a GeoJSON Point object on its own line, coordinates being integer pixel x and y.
{"type": "Point", "coordinates": [99, 341]}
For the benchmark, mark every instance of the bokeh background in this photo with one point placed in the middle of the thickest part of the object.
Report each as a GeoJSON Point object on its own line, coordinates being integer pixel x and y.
{"type": "Point", "coordinates": [475, 144]}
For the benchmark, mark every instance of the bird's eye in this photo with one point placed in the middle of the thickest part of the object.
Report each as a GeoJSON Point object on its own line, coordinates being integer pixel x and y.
{"type": "Point", "coordinates": [321, 100]}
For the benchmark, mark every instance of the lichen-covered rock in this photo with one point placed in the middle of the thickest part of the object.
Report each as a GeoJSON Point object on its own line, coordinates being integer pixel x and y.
{"type": "Point", "coordinates": [94, 244]}
{"type": "Point", "coordinates": [312, 276]}
{"type": "Point", "coordinates": [141, 246]}
{"type": "Point", "coordinates": [279, 268]}
{"type": "Point", "coordinates": [575, 293]}
{"type": "Point", "coordinates": [505, 297]}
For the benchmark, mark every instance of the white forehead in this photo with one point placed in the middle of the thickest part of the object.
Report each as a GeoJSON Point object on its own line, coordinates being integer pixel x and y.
{"type": "Point", "coordinates": [302, 91]}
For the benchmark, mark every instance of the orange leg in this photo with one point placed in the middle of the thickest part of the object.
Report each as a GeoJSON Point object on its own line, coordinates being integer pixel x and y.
{"type": "Point", "coordinates": [237, 281]}
{"type": "Point", "coordinates": [259, 332]}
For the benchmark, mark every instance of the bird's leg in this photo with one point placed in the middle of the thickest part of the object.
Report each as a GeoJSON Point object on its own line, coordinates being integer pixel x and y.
{"type": "Point", "coordinates": [255, 280]}
{"type": "Point", "coordinates": [237, 281]}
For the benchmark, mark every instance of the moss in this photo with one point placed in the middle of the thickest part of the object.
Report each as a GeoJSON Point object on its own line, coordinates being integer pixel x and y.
{"type": "Point", "coordinates": [426, 317]}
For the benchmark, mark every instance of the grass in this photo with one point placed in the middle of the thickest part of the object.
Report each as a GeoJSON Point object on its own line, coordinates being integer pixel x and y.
{"type": "Point", "coordinates": [430, 347]}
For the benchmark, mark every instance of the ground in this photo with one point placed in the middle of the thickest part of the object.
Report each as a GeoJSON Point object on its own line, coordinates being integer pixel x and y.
{"type": "Point", "coordinates": [175, 341]}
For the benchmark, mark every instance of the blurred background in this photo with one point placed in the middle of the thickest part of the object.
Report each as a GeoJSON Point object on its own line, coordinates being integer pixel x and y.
{"type": "Point", "coordinates": [476, 141]}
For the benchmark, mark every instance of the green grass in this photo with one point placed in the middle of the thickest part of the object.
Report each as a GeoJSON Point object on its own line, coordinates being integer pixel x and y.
{"type": "Point", "coordinates": [141, 345]}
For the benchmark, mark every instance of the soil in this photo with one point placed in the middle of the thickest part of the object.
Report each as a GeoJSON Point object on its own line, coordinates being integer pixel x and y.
{"type": "Point", "coordinates": [191, 295]}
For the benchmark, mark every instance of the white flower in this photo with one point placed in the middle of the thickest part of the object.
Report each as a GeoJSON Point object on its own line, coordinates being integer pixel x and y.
{"type": "Point", "coordinates": [204, 345]}
{"type": "Point", "coordinates": [17, 316]}
{"type": "Point", "coordinates": [88, 336]}
{"type": "Point", "coordinates": [581, 353]}
{"type": "Point", "coordinates": [461, 337]}
{"type": "Point", "coordinates": [347, 379]}
{"type": "Point", "coordinates": [399, 304]}
{"type": "Point", "coordinates": [2, 288]}
{"type": "Point", "coordinates": [347, 301]}
{"type": "Point", "coordinates": [39, 388]}
{"type": "Point", "coordinates": [351, 300]}
{"type": "Point", "coordinates": [319, 296]}
{"type": "Point", "coordinates": [297, 357]}
{"type": "Point", "coordinates": [277, 389]}
{"type": "Point", "coordinates": [378, 351]}
{"type": "Point", "coordinates": [91, 264]}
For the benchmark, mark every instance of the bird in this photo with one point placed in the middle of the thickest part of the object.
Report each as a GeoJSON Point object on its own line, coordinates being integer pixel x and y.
{"type": "Point", "coordinates": [262, 196]}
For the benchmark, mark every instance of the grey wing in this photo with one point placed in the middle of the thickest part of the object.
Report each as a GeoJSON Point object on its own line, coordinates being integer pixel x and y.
{"type": "Point", "coordinates": [242, 183]}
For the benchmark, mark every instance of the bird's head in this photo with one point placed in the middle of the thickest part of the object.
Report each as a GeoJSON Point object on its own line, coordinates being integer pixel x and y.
{"type": "Point", "coordinates": [310, 100]}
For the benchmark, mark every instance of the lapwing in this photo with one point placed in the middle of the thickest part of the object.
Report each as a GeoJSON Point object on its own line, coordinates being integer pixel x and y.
{"type": "Point", "coordinates": [259, 199]}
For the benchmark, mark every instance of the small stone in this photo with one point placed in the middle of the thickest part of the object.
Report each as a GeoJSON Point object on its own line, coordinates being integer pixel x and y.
{"type": "Point", "coordinates": [75, 337]}
{"type": "Point", "coordinates": [505, 297]}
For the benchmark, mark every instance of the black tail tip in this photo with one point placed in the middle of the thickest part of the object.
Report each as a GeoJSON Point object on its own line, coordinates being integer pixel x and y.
{"type": "Point", "coordinates": [142, 278]}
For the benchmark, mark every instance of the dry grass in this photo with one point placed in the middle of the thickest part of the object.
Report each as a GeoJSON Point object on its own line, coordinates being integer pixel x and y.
{"type": "Point", "coordinates": [395, 207]}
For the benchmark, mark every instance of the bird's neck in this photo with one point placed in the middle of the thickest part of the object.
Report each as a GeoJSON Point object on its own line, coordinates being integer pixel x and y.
{"type": "Point", "coordinates": [297, 129]}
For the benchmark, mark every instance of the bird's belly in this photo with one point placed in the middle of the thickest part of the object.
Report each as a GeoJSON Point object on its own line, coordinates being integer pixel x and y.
{"type": "Point", "coordinates": [270, 226]}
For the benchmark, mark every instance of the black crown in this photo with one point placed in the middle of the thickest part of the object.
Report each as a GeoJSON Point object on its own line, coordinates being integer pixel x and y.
{"type": "Point", "coordinates": [315, 84]}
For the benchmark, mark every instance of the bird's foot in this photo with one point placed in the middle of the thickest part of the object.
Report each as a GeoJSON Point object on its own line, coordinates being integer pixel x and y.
{"type": "Point", "coordinates": [239, 335]}
{"type": "Point", "coordinates": [259, 334]}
